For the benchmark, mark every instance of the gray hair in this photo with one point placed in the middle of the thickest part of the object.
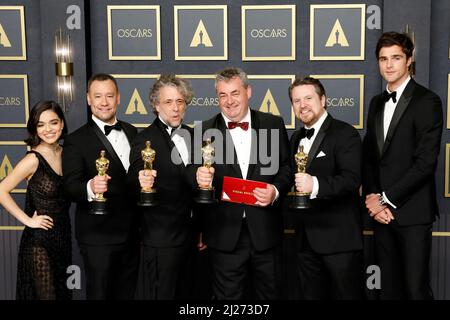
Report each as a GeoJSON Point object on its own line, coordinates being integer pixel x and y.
{"type": "Point", "coordinates": [172, 81]}
{"type": "Point", "coordinates": [230, 73]}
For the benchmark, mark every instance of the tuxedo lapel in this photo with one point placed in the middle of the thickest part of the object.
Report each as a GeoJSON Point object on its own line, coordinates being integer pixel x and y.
{"type": "Point", "coordinates": [399, 110]}
{"type": "Point", "coordinates": [318, 141]}
{"type": "Point", "coordinates": [254, 143]}
{"type": "Point", "coordinates": [164, 134]}
{"type": "Point", "coordinates": [161, 127]}
{"type": "Point", "coordinates": [127, 131]}
{"type": "Point", "coordinates": [379, 124]}
{"type": "Point", "coordinates": [188, 141]}
{"type": "Point", "coordinates": [112, 153]}
{"type": "Point", "coordinates": [296, 143]}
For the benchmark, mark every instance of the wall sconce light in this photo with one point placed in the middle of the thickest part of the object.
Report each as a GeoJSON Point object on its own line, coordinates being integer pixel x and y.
{"type": "Point", "coordinates": [412, 35]}
{"type": "Point", "coordinates": [63, 68]}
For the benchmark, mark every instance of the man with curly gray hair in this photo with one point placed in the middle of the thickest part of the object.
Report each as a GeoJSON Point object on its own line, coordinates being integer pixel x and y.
{"type": "Point", "coordinates": [170, 80]}
{"type": "Point", "coordinates": [167, 228]}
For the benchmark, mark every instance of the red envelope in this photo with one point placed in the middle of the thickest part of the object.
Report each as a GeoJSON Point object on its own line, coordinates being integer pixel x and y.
{"type": "Point", "coordinates": [240, 190]}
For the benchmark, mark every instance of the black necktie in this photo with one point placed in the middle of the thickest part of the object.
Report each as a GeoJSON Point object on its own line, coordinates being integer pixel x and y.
{"type": "Point", "coordinates": [108, 129]}
{"type": "Point", "coordinates": [387, 96]}
{"type": "Point", "coordinates": [306, 133]}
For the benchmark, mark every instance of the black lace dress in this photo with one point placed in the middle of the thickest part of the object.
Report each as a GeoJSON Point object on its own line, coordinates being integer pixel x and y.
{"type": "Point", "coordinates": [44, 255]}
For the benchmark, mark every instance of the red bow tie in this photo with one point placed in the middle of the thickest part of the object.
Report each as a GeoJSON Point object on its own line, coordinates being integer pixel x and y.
{"type": "Point", "coordinates": [243, 125]}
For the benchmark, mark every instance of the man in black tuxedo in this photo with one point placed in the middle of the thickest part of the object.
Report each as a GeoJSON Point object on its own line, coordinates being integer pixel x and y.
{"type": "Point", "coordinates": [167, 228]}
{"type": "Point", "coordinates": [401, 148]}
{"type": "Point", "coordinates": [107, 242]}
{"type": "Point", "coordinates": [244, 240]}
{"type": "Point", "coordinates": [329, 258]}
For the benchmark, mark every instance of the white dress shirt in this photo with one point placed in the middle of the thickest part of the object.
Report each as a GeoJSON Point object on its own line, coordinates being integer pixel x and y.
{"type": "Point", "coordinates": [179, 142]}
{"type": "Point", "coordinates": [307, 144]}
{"type": "Point", "coordinates": [389, 107]}
{"type": "Point", "coordinates": [120, 144]}
{"type": "Point", "coordinates": [242, 141]}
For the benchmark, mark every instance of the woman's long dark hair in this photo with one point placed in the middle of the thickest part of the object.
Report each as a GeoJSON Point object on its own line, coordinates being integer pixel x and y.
{"type": "Point", "coordinates": [33, 138]}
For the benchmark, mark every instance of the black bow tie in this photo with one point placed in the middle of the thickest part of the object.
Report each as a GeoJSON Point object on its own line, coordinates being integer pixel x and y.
{"type": "Point", "coordinates": [387, 96]}
{"type": "Point", "coordinates": [306, 133]}
{"type": "Point", "coordinates": [171, 130]}
{"type": "Point", "coordinates": [108, 129]}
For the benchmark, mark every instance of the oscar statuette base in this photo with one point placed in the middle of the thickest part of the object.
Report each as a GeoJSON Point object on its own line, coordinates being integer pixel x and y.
{"type": "Point", "coordinates": [205, 196]}
{"type": "Point", "coordinates": [300, 201]}
{"type": "Point", "coordinates": [98, 208]}
{"type": "Point", "coordinates": [148, 199]}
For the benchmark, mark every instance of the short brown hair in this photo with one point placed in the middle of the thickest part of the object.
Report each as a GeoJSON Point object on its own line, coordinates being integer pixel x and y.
{"type": "Point", "coordinates": [301, 81]}
{"type": "Point", "coordinates": [389, 39]}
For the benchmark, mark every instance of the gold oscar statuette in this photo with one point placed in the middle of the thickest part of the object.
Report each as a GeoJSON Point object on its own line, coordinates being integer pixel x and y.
{"type": "Point", "coordinates": [148, 194]}
{"type": "Point", "coordinates": [98, 205]}
{"type": "Point", "coordinates": [300, 200]}
{"type": "Point", "coordinates": [205, 194]}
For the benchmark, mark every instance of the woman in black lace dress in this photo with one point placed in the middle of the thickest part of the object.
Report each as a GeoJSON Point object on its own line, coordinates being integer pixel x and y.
{"type": "Point", "coordinates": [45, 249]}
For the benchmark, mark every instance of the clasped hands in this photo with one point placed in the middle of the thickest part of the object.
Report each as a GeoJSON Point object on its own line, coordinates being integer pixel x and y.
{"type": "Point", "coordinates": [380, 212]}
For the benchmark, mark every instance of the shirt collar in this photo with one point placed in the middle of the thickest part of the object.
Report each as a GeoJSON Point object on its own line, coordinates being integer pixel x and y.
{"type": "Point", "coordinates": [168, 128]}
{"type": "Point", "coordinates": [400, 89]}
{"type": "Point", "coordinates": [318, 123]}
{"type": "Point", "coordinates": [102, 124]}
{"type": "Point", "coordinates": [247, 118]}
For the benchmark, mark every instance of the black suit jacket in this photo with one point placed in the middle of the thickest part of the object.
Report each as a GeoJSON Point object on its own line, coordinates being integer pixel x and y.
{"type": "Point", "coordinates": [403, 166]}
{"type": "Point", "coordinates": [333, 224]}
{"type": "Point", "coordinates": [169, 224]}
{"type": "Point", "coordinates": [81, 149]}
{"type": "Point", "coordinates": [222, 222]}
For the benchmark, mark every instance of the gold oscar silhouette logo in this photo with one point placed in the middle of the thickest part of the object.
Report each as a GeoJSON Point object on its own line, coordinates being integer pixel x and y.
{"type": "Point", "coordinates": [337, 36]}
{"type": "Point", "coordinates": [201, 37]}
{"type": "Point", "coordinates": [4, 41]}
{"type": "Point", "coordinates": [5, 168]}
{"type": "Point", "coordinates": [136, 106]}
{"type": "Point", "coordinates": [269, 105]}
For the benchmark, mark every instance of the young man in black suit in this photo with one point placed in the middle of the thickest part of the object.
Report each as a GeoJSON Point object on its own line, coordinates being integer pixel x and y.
{"type": "Point", "coordinates": [167, 228]}
{"type": "Point", "coordinates": [401, 148]}
{"type": "Point", "coordinates": [244, 240]}
{"type": "Point", "coordinates": [107, 242]}
{"type": "Point", "coordinates": [329, 259]}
